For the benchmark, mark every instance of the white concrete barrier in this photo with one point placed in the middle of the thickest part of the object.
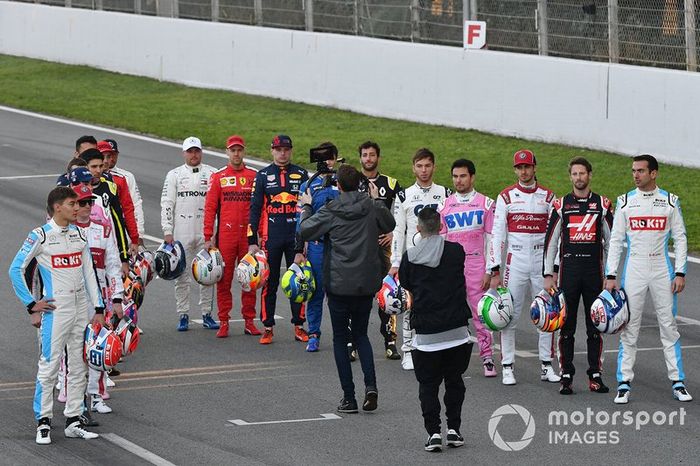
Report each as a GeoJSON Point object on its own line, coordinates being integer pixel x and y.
{"type": "Point", "coordinates": [618, 108]}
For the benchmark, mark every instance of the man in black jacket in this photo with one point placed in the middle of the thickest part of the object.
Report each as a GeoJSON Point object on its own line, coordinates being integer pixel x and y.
{"type": "Point", "coordinates": [352, 273]}
{"type": "Point", "coordinates": [433, 271]}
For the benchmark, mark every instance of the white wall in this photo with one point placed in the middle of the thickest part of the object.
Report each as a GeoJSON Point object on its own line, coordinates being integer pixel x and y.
{"type": "Point", "coordinates": [612, 107]}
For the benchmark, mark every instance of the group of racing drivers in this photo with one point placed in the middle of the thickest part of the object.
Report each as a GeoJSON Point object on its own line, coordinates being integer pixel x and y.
{"type": "Point", "coordinates": [525, 240]}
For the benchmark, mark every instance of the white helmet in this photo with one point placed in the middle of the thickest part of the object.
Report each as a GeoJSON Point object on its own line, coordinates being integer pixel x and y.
{"type": "Point", "coordinates": [208, 266]}
{"type": "Point", "coordinates": [253, 271]}
{"type": "Point", "coordinates": [392, 298]}
{"type": "Point", "coordinates": [610, 311]}
{"type": "Point", "coordinates": [102, 349]}
{"type": "Point", "coordinates": [496, 308]}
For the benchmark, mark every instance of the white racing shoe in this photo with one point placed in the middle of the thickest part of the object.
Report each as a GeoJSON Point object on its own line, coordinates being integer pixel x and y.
{"type": "Point", "coordinates": [508, 375]}
{"type": "Point", "coordinates": [97, 405]}
{"type": "Point", "coordinates": [623, 394]}
{"type": "Point", "coordinates": [680, 392]}
{"type": "Point", "coordinates": [548, 374]}
{"type": "Point", "coordinates": [407, 361]}
{"type": "Point", "coordinates": [43, 434]}
{"type": "Point", "coordinates": [75, 430]}
{"type": "Point", "coordinates": [110, 382]}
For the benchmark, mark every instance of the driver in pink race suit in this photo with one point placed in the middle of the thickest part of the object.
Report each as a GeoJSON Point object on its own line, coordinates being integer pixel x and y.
{"type": "Point", "coordinates": [467, 219]}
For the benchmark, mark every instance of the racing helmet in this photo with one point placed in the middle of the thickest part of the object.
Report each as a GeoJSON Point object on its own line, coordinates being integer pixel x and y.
{"type": "Point", "coordinates": [496, 308]}
{"type": "Point", "coordinates": [392, 298]}
{"type": "Point", "coordinates": [610, 311]}
{"type": "Point", "coordinates": [143, 265]}
{"type": "Point", "coordinates": [548, 310]}
{"type": "Point", "coordinates": [131, 310]}
{"type": "Point", "coordinates": [208, 266]}
{"type": "Point", "coordinates": [102, 349]}
{"type": "Point", "coordinates": [134, 289]}
{"type": "Point", "coordinates": [252, 271]}
{"type": "Point", "coordinates": [298, 283]}
{"type": "Point", "coordinates": [128, 334]}
{"type": "Point", "coordinates": [170, 260]}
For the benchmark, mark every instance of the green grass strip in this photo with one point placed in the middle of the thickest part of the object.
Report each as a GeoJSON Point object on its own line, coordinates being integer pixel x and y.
{"type": "Point", "coordinates": [174, 111]}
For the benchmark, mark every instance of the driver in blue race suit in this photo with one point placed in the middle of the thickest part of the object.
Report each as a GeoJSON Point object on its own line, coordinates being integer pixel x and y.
{"type": "Point", "coordinates": [70, 288]}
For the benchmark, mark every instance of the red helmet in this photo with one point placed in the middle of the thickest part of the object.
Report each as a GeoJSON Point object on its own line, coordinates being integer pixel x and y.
{"type": "Point", "coordinates": [129, 335]}
{"type": "Point", "coordinates": [102, 349]}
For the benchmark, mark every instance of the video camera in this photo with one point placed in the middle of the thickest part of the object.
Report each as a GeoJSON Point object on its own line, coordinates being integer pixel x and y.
{"type": "Point", "coordinates": [321, 154]}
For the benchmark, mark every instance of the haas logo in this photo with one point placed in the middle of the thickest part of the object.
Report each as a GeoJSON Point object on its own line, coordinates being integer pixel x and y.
{"type": "Point", "coordinates": [67, 261]}
{"type": "Point", "coordinates": [582, 228]}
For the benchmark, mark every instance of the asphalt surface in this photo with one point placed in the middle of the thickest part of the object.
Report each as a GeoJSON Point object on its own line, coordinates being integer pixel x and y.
{"type": "Point", "coordinates": [178, 392]}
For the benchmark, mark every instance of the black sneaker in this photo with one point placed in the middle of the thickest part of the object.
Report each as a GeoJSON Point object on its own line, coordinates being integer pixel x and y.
{"type": "Point", "coordinates": [114, 372]}
{"type": "Point", "coordinates": [595, 384]}
{"type": "Point", "coordinates": [566, 382]}
{"type": "Point", "coordinates": [348, 406]}
{"type": "Point", "coordinates": [352, 352]}
{"type": "Point", "coordinates": [371, 396]}
{"type": "Point", "coordinates": [434, 443]}
{"type": "Point", "coordinates": [454, 438]}
{"type": "Point", "coordinates": [391, 352]}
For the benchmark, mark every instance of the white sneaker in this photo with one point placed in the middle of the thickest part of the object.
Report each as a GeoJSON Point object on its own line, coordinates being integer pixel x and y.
{"type": "Point", "coordinates": [681, 394]}
{"type": "Point", "coordinates": [548, 374]}
{"type": "Point", "coordinates": [407, 361]}
{"type": "Point", "coordinates": [622, 397]}
{"type": "Point", "coordinates": [97, 405]}
{"type": "Point", "coordinates": [110, 382]}
{"type": "Point", "coordinates": [75, 430]}
{"type": "Point", "coordinates": [43, 434]}
{"type": "Point", "coordinates": [508, 375]}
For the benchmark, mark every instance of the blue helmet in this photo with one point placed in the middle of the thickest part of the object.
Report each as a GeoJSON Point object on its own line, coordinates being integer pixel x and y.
{"type": "Point", "coordinates": [610, 312]}
{"type": "Point", "coordinates": [170, 260]}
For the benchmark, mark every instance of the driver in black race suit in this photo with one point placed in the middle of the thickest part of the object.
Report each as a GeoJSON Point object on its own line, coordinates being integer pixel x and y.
{"type": "Point", "coordinates": [579, 232]}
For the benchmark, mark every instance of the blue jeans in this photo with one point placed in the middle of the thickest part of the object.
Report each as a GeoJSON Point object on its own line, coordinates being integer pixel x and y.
{"type": "Point", "coordinates": [351, 311]}
{"type": "Point", "coordinates": [314, 308]}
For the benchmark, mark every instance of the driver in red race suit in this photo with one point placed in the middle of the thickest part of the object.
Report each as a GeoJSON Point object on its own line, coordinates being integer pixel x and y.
{"type": "Point", "coordinates": [228, 204]}
{"type": "Point", "coordinates": [274, 210]}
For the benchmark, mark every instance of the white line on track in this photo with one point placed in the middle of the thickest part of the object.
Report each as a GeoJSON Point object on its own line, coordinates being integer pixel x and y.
{"type": "Point", "coordinates": [324, 417]}
{"type": "Point", "coordinates": [22, 177]}
{"type": "Point", "coordinates": [152, 238]}
{"type": "Point", "coordinates": [140, 137]}
{"type": "Point", "coordinates": [136, 450]}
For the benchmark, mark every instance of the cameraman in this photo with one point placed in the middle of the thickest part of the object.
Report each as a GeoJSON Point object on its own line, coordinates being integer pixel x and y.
{"type": "Point", "coordinates": [322, 188]}
{"type": "Point", "coordinates": [352, 273]}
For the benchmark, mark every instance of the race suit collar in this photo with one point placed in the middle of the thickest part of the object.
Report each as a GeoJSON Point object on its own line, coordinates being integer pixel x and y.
{"type": "Point", "coordinates": [527, 189]}
{"type": "Point", "coordinates": [426, 189]}
{"type": "Point", "coordinates": [466, 197]}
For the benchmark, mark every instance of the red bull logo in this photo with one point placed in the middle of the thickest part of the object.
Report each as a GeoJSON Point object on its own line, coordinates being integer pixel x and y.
{"type": "Point", "coordinates": [283, 198]}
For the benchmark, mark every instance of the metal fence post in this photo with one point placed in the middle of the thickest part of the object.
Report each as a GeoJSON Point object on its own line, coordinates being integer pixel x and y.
{"type": "Point", "coordinates": [257, 7]}
{"type": "Point", "coordinates": [356, 16]}
{"type": "Point", "coordinates": [541, 26]}
{"type": "Point", "coordinates": [309, 14]}
{"type": "Point", "coordinates": [415, 20]}
{"type": "Point", "coordinates": [97, 5]}
{"type": "Point", "coordinates": [137, 7]}
{"type": "Point", "coordinates": [691, 56]}
{"type": "Point", "coordinates": [613, 36]}
{"type": "Point", "coordinates": [473, 10]}
{"type": "Point", "coordinates": [69, 3]}
{"type": "Point", "coordinates": [215, 10]}
{"type": "Point", "coordinates": [168, 8]}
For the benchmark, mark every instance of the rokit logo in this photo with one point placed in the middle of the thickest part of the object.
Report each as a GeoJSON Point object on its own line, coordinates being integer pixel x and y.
{"type": "Point", "coordinates": [648, 223]}
{"type": "Point", "coordinates": [67, 261]}
{"type": "Point", "coordinates": [583, 228]}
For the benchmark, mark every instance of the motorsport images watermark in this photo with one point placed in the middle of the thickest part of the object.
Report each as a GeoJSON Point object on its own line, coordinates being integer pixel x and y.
{"type": "Point", "coordinates": [579, 427]}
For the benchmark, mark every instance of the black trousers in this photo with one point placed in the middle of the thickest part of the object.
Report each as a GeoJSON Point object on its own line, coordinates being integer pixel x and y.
{"type": "Point", "coordinates": [577, 282]}
{"type": "Point", "coordinates": [431, 368]}
{"type": "Point", "coordinates": [275, 249]}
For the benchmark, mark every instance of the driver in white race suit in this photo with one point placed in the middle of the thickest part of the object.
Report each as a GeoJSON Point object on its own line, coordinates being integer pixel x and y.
{"type": "Point", "coordinates": [410, 201]}
{"type": "Point", "coordinates": [522, 211]}
{"type": "Point", "coordinates": [646, 218]}
{"type": "Point", "coordinates": [70, 289]}
{"type": "Point", "coordinates": [182, 219]}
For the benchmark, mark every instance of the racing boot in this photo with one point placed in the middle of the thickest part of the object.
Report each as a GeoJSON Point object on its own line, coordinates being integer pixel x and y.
{"type": "Point", "coordinates": [223, 329]}
{"type": "Point", "coordinates": [595, 383]}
